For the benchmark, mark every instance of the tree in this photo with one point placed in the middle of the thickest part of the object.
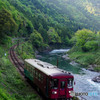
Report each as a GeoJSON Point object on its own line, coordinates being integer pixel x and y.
{"type": "Point", "coordinates": [85, 39]}
{"type": "Point", "coordinates": [91, 45]}
{"type": "Point", "coordinates": [98, 38]}
{"type": "Point", "coordinates": [53, 36]}
{"type": "Point", "coordinates": [83, 36]}
{"type": "Point", "coordinates": [7, 24]}
{"type": "Point", "coordinates": [36, 39]}
{"type": "Point", "coordinates": [43, 33]}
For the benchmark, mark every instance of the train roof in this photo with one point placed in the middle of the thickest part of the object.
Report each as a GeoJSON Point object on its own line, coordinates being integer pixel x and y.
{"type": "Point", "coordinates": [46, 68]}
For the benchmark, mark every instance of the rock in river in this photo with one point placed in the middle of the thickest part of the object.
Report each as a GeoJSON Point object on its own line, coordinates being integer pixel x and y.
{"type": "Point", "coordinates": [65, 57]}
{"type": "Point", "coordinates": [96, 79]}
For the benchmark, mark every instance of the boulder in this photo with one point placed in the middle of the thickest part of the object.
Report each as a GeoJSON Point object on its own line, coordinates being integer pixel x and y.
{"type": "Point", "coordinates": [65, 57]}
{"type": "Point", "coordinates": [96, 79]}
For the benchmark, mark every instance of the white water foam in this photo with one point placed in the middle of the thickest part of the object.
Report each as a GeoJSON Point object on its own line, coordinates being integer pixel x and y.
{"type": "Point", "coordinates": [59, 50]}
{"type": "Point", "coordinates": [97, 85]}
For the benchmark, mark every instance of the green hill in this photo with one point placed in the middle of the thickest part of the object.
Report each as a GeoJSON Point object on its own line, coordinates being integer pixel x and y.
{"type": "Point", "coordinates": [65, 16]}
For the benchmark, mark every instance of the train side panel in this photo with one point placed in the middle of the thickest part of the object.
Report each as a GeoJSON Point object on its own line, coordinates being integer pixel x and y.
{"type": "Point", "coordinates": [38, 78]}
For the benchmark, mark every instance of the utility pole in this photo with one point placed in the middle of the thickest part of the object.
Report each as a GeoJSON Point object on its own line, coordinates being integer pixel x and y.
{"type": "Point", "coordinates": [57, 61]}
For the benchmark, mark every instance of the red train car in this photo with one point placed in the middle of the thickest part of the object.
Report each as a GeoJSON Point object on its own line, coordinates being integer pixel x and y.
{"type": "Point", "coordinates": [53, 82]}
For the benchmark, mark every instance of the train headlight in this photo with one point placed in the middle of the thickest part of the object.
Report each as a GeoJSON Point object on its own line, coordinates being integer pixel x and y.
{"type": "Point", "coordinates": [54, 92]}
{"type": "Point", "coordinates": [72, 93]}
{"type": "Point", "coordinates": [69, 91]}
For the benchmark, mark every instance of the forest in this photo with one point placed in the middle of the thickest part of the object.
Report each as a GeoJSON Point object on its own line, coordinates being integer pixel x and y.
{"type": "Point", "coordinates": [49, 18]}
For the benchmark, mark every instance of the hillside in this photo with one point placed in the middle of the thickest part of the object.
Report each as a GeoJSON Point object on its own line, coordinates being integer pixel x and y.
{"type": "Point", "coordinates": [70, 13]}
{"type": "Point", "coordinates": [61, 17]}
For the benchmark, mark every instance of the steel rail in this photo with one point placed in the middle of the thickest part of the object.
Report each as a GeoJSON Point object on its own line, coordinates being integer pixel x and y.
{"type": "Point", "coordinates": [15, 60]}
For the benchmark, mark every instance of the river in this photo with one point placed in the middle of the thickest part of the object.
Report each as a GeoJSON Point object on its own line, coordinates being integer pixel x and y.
{"type": "Point", "coordinates": [83, 77]}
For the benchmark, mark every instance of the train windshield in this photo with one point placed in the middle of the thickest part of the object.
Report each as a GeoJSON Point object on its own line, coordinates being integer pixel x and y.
{"type": "Point", "coordinates": [54, 83]}
{"type": "Point", "coordinates": [70, 83]}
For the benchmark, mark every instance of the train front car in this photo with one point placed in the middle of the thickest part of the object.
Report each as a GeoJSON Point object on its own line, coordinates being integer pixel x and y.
{"type": "Point", "coordinates": [61, 86]}
{"type": "Point", "coordinates": [53, 82]}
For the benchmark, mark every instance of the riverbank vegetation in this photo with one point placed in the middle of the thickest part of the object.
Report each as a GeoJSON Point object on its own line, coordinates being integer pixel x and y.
{"type": "Point", "coordinates": [86, 49]}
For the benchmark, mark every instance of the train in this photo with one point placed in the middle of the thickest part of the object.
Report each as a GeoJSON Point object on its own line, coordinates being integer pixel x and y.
{"type": "Point", "coordinates": [53, 82]}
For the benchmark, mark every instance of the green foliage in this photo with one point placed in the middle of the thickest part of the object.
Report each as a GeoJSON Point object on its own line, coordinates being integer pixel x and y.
{"type": "Point", "coordinates": [83, 58]}
{"type": "Point", "coordinates": [66, 17]}
{"type": "Point", "coordinates": [85, 39]}
{"type": "Point", "coordinates": [43, 33]}
{"type": "Point", "coordinates": [36, 39]}
{"type": "Point", "coordinates": [86, 49]}
{"type": "Point", "coordinates": [5, 96]}
{"type": "Point", "coordinates": [7, 24]}
{"type": "Point", "coordinates": [83, 36]}
{"type": "Point", "coordinates": [25, 50]}
{"type": "Point", "coordinates": [6, 41]}
{"type": "Point", "coordinates": [91, 45]}
{"type": "Point", "coordinates": [97, 68]}
{"type": "Point", "coordinates": [53, 36]}
{"type": "Point", "coordinates": [24, 25]}
{"type": "Point", "coordinates": [12, 86]}
{"type": "Point", "coordinates": [98, 38]}
{"type": "Point", "coordinates": [75, 98]}
{"type": "Point", "coordinates": [75, 49]}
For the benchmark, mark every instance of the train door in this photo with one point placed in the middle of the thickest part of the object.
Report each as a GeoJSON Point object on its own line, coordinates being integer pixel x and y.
{"type": "Point", "coordinates": [62, 88]}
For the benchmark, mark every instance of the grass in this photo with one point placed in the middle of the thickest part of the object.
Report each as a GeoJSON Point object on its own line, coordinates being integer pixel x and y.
{"type": "Point", "coordinates": [82, 58]}
{"type": "Point", "coordinates": [86, 58]}
{"type": "Point", "coordinates": [12, 86]}
{"type": "Point", "coordinates": [5, 96]}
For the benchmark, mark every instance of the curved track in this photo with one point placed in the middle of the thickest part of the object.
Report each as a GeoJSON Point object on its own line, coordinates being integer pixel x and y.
{"type": "Point", "coordinates": [15, 60]}
{"type": "Point", "coordinates": [20, 66]}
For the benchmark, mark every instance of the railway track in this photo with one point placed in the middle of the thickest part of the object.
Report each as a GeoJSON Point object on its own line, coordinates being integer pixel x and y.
{"type": "Point", "coordinates": [16, 61]}
{"type": "Point", "coordinates": [20, 66]}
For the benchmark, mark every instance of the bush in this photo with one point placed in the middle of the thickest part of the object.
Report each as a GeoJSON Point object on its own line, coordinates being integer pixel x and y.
{"type": "Point", "coordinates": [36, 39]}
{"type": "Point", "coordinates": [5, 96]}
{"type": "Point", "coordinates": [25, 50]}
{"type": "Point", "coordinates": [97, 68]}
{"type": "Point", "coordinates": [90, 46]}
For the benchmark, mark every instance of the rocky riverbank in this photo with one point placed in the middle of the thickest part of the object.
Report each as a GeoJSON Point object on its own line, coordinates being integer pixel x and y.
{"type": "Point", "coordinates": [90, 67]}
{"type": "Point", "coordinates": [66, 57]}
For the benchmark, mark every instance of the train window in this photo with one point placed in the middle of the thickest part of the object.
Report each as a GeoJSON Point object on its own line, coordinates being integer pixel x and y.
{"type": "Point", "coordinates": [70, 83]}
{"type": "Point", "coordinates": [25, 67]}
{"type": "Point", "coordinates": [36, 74]}
{"type": "Point", "coordinates": [62, 85]}
{"type": "Point", "coordinates": [42, 78]}
{"type": "Point", "coordinates": [39, 77]}
{"type": "Point", "coordinates": [54, 83]}
{"type": "Point", "coordinates": [33, 71]}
